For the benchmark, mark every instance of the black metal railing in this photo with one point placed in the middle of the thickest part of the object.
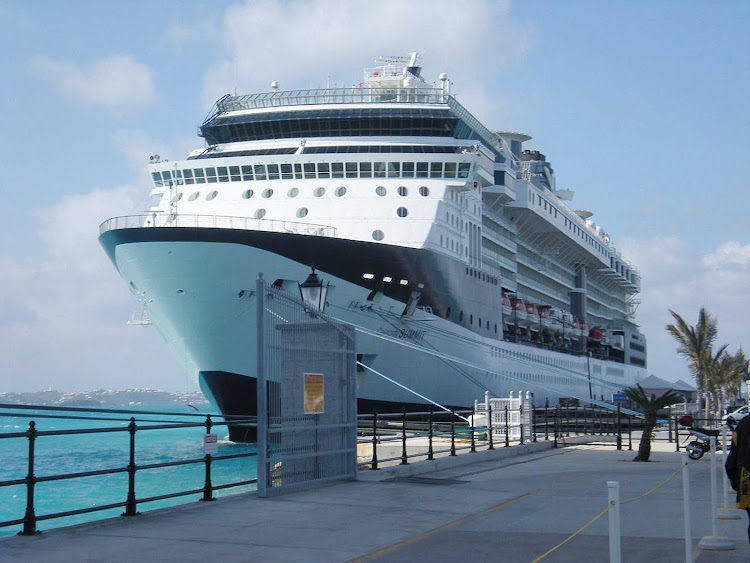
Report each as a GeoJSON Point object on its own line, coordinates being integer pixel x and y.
{"type": "Point", "coordinates": [133, 428]}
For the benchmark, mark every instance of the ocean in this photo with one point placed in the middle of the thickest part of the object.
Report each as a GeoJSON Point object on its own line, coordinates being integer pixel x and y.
{"type": "Point", "coordinates": [91, 452]}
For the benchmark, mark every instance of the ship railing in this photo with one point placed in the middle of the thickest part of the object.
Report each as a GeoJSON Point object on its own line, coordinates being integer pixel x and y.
{"type": "Point", "coordinates": [318, 96]}
{"type": "Point", "coordinates": [125, 429]}
{"type": "Point", "coordinates": [180, 220]}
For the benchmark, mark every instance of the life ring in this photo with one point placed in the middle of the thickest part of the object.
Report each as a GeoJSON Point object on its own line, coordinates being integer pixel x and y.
{"type": "Point", "coordinates": [376, 73]}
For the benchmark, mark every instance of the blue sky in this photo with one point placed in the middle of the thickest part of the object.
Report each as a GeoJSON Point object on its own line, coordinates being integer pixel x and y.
{"type": "Point", "coordinates": [640, 106]}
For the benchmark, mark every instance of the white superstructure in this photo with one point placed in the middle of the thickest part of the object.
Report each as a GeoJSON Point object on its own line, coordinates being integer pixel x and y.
{"type": "Point", "coordinates": [424, 222]}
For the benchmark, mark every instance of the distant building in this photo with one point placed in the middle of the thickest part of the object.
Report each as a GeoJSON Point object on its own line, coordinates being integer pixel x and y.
{"type": "Point", "coordinates": [659, 386]}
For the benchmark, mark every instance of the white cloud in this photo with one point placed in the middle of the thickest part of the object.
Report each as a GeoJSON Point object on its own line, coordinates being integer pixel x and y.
{"type": "Point", "coordinates": [116, 82]}
{"type": "Point", "coordinates": [299, 42]}
{"type": "Point", "coordinates": [67, 310]}
{"type": "Point", "coordinates": [677, 276]}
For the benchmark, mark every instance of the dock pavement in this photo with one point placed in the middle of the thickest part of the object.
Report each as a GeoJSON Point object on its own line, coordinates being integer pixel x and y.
{"type": "Point", "coordinates": [513, 504]}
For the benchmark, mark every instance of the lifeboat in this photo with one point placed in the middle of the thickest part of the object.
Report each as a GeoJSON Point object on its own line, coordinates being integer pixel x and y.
{"type": "Point", "coordinates": [507, 309]}
{"type": "Point", "coordinates": [598, 334]}
{"type": "Point", "coordinates": [556, 320]}
{"type": "Point", "coordinates": [518, 315]}
{"type": "Point", "coordinates": [532, 317]}
{"type": "Point", "coordinates": [575, 333]}
{"type": "Point", "coordinates": [544, 314]}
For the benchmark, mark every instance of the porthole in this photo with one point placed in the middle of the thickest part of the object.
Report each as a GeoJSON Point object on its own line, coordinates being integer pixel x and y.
{"type": "Point", "coordinates": [461, 316]}
{"type": "Point", "coordinates": [377, 234]}
{"type": "Point", "coordinates": [424, 191]}
{"type": "Point", "coordinates": [267, 193]}
{"type": "Point", "coordinates": [293, 192]}
{"type": "Point", "coordinates": [402, 212]}
{"type": "Point", "coordinates": [302, 212]}
{"type": "Point", "coordinates": [403, 191]}
{"type": "Point", "coordinates": [381, 191]}
{"type": "Point", "coordinates": [319, 192]}
{"type": "Point", "coordinates": [471, 319]}
{"type": "Point", "coordinates": [212, 195]}
{"type": "Point", "coordinates": [260, 213]}
{"type": "Point", "coordinates": [340, 191]}
{"type": "Point", "coordinates": [177, 197]}
{"type": "Point", "coordinates": [194, 196]}
{"type": "Point", "coordinates": [247, 194]}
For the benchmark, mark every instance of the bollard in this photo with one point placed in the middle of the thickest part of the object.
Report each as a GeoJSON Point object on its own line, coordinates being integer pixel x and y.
{"type": "Point", "coordinates": [374, 439]}
{"type": "Point", "coordinates": [686, 507]}
{"type": "Point", "coordinates": [453, 435]}
{"type": "Point", "coordinates": [29, 519]}
{"type": "Point", "coordinates": [404, 457]}
{"type": "Point", "coordinates": [430, 455]}
{"type": "Point", "coordinates": [714, 541]}
{"type": "Point", "coordinates": [130, 503]}
{"type": "Point", "coordinates": [489, 424]}
{"type": "Point", "coordinates": [613, 490]}
{"type": "Point", "coordinates": [473, 418]}
{"type": "Point", "coordinates": [507, 429]}
{"type": "Point", "coordinates": [208, 490]}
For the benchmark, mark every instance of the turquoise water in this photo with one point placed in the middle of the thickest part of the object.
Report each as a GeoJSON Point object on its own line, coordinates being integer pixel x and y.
{"type": "Point", "coordinates": [91, 452]}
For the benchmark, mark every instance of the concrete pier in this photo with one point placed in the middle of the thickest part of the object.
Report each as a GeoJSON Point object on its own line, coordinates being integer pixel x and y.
{"type": "Point", "coordinates": [511, 505]}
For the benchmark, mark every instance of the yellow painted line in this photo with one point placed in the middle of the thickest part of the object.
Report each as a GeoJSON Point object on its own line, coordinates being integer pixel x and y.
{"type": "Point", "coordinates": [390, 549]}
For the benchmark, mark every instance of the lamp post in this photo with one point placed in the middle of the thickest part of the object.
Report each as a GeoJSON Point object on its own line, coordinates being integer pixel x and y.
{"type": "Point", "coordinates": [314, 292]}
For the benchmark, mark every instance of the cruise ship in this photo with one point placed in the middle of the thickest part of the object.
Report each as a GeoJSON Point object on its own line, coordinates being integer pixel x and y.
{"type": "Point", "coordinates": [439, 238]}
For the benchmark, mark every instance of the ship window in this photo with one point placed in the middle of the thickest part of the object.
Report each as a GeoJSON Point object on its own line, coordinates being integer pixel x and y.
{"type": "Point", "coordinates": [365, 169]}
{"type": "Point", "coordinates": [408, 170]}
{"type": "Point", "coordinates": [157, 179]}
{"type": "Point", "coordinates": [394, 169]}
{"type": "Point", "coordinates": [247, 173]}
{"type": "Point", "coordinates": [211, 175]}
{"type": "Point", "coordinates": [402, 212]}
{"type": "Point", "coordinates": [293, 192]}
{"type": "Point", "coordinates": [463, 169]}
{"type": "Point", "coordinates": [194, 196]}
{"type": "Point", "coordinates": [479, 324]}
{"type": "Point", "coordinates": [377, 234]}
{"type": "Point", "coordinates": [167, 177]}
{"type": "Point", "coordinates": [223, 174]}
{"type": "Point", "coordinates": [319, 192]}
{"type": "Point", "coordinates": [212, 195]}
{"type": "Point", "coordinates": [380, 170]}
{"type": "Point", "coordinates": [450, 169]}
{"type": "Point", "coordinates": [267, 193]}
{"type": "Point", "coordinates": [260, 213]}
{"type": "Point", "coordinates": [461, 316]}
{"type": "Point", "coordinates": [495, 328]}
{"type": "Point", "coordinates": [177, 197]}
{"type": "Point", "coordinates": [403, 191]}
{"type": "Point", "coordinates": [380, 190]}
{"type": "Point", "coordinates": [351, 169]}
{"type": "Point", "coordinates": [188, 175]}
{"type": "Point", "coordinates": [297, 171]}
{"type": "Point", "coordinates": [302, 212]}
{"type": "Point", "coordinates": [199, 177]}
{"type": "Point", "coordinates": [309, 170]}
{"type": "Point", "coordinates": [247, 194]}
{"type": "Point", "coordinates": [448, 313]}
{"type": "Point", "coordinates": [421, 170]}
{"type": "Point", "coordinates": [323, 170]}
{"type": "Point", "coordinates": [471, 319]}
{"type": "Point", "coordinates": [337, 170]}
{"type": "Point", "coordinates": [488, 325]}
{"type": "Point", "coordinates": [436, 170]}
{"type": "Point", "coordinates": [273, 171]}
{"type": "Point", "coordinates": [260, 172]}
{"type": "Point", "coordinates": [286, 171]}
{"type": "Point", "coordinates": [340, 191]}
{"type": "Point", "coordinates": [424, 191]}
{"type": "Point", "coordinates": [234, 173]}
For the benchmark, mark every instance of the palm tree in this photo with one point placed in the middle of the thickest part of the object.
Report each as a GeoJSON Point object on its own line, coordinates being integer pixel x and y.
{"type": "Point", "coordinates": [651, 406]}
{"type": "Point", "coordinates": [696, 344]}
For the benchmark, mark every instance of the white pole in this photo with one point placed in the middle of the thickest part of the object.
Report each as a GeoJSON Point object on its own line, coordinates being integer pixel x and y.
{"type": "Point", "coordinates": [613, 489]}
{"type": "Point", "coordinates": [723, 462]}
{"type": "Point", "coordinates": [686, 507]}
{"type": "Point", "coordinates": [714, 531]}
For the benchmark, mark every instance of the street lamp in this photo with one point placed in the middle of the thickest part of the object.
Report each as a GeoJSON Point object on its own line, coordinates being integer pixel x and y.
{"type": "Point", "coordinates": [313, 292]}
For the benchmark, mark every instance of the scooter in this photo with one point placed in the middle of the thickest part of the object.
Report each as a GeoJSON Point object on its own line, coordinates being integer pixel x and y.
{"type": "Point", "coordinates": [702, 443]}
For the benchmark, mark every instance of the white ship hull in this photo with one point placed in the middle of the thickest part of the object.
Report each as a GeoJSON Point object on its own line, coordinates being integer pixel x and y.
{"type": "Point", "coordinates": [198, 295]}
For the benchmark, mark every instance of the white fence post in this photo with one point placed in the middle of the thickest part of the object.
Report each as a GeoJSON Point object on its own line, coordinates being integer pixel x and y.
{"type": "Point", "coordinates": [727, 513]}
{"type": "Point", "coordinates": [613, 489]}
{"type": "Point", "coordinates": [686, 507]}
{"type": "Point", "coordinates": [714, 541]}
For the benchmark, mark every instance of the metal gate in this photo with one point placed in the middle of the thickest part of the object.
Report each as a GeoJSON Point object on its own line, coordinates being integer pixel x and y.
{"type": "Point", "coordinates": [307, 404]}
